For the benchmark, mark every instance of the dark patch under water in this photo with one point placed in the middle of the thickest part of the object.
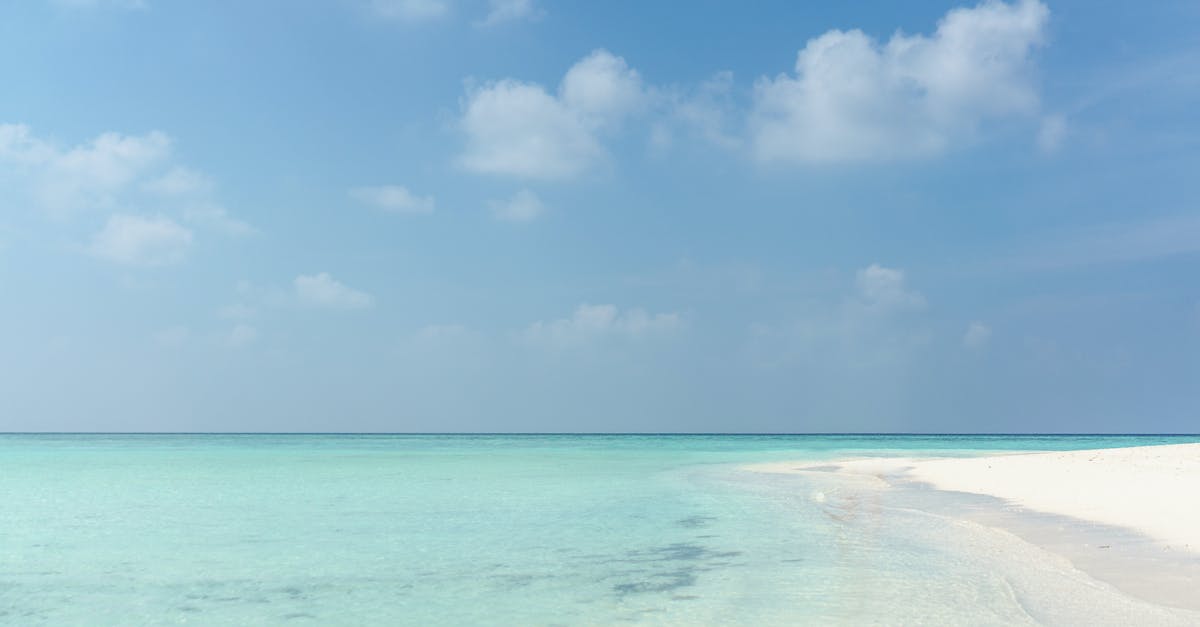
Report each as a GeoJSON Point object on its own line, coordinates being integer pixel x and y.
{"type": "Point", "coordinates": [672, 567]}
{"type": "Point", "coordinates": [693, 522]}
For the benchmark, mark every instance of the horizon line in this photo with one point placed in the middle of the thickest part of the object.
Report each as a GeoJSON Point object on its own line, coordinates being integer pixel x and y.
{"type": "Point", "coordinates": [616, 433]}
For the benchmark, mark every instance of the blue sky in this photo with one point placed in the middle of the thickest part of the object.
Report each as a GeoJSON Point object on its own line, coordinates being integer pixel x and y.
{"type": "Point", "coordinates": [521, 215]}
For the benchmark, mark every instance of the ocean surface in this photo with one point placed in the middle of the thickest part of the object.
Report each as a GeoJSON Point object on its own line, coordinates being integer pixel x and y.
{"type": "Point", "coordinates": [511, 530]}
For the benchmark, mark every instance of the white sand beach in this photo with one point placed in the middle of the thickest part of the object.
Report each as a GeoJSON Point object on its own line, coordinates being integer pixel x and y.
{"type": "Point", "coordinates": [1153, 490]}
{"type": "Point", "coordinates": [1121, 494]}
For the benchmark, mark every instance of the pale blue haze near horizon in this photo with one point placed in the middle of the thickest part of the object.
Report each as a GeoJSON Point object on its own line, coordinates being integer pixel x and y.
{"type": "Point", "coordinates": [459, 215]}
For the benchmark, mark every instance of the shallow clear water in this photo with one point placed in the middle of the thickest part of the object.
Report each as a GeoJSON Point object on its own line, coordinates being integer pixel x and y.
{"type": "Point", "coordinates": [521, 530]}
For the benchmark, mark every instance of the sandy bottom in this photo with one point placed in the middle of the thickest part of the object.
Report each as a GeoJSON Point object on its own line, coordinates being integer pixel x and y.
{"type": "Point", "coordinates": [1127, 516]}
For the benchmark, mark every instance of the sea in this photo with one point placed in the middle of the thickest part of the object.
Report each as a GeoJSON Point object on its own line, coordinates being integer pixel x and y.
{"type": "Point", "coordinates": [381, 529]}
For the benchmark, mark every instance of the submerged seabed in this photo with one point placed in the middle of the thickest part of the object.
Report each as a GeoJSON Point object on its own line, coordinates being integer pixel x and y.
{"type": "Point", "coordinates": [521, 530]}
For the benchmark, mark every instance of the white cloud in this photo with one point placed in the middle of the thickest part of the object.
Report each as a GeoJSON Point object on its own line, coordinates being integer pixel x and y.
{"type": "Point", "coordinates": [411, 10]}
{"type": "Point", "coordinates": [141, 241]}
{"type": "Point", "coordinates": [1052, 132]}
{"type": "Point", "coordinates": [522, 207]}
{"type": "Point", "coordinates": [592, 322]}
{"type": "Point", "coordinates": [884, 289]}
{"type": "Point", "coordinates": [393, 198]}
{"type": "Point", "coordinates": [977, 335]}
{"type": "Point", "coordinates": [519, 129]}
{"type": "Point", "coordinates": [601, 89]}
{"type": "Point", "coordinates": [108, 163]}
{"type": "Point", "coordinates": [115, 173]}
{"type": "Point", "coordinates": [322, 290]}
{"type": "Point", "coordinates": [87, 176]}
{"type": "Point", "coordinates": [19, 147]}
{"type": "Point", "coordinates": [852, 98]}
{"type": "Point", "coordinates": [501, 11]}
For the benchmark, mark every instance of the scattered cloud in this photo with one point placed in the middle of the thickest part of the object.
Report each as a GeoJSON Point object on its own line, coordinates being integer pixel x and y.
{"type": "Point", "coordinates": [522, 207]}
{"type": "Point", "coordinates": [87, 176]}
{"type": "Point", "coordinates": [977, 335]}
{"type": "Point", "coordinates": [884, 289]}
{"type": "Point", "coordinates": [502, 11]}
{"type": "Point", "coordinates": [590, 323]}
{"type": "Point", "coordinates": [521, 130]}
{"type": "Point", "coordinates": [115, 173]}
{"type": "Point", "coordinates": [852, 98]}
{"type": "Point", "coordinates": [143, 241]}
{"type": "Point", "coordinates": [393, 198]}
{"type": "Point", "coordinates": [410, 10]}
{"type": "Point", "coordinates": [601, 89]}
{"type": "Point", "coordinates": [19, 147]}
{"type": "Point", "coordinates": [517, 129]}
{"type": "Point", "coordinates": [322, 290]}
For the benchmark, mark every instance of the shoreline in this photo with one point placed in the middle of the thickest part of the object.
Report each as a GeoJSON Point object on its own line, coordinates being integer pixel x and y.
{"type": "Point", "coordinates": [1125, 516]}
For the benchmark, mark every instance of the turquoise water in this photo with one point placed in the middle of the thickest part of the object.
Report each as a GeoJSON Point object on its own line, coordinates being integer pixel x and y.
{"type": "Point", "coordinates": [508, 530]}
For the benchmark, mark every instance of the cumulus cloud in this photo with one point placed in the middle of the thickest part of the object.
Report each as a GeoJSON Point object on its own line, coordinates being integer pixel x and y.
{"type": "Point", "coordinates": [885, 289]}
{"type": "Point", "coordinates": [592, 322]}
{"type": "Point", "coordinates": [393, 198]}
{"type": "Point", "coordinates": [501, 11]}
{"type": "Point", "coordinates": [136, 240]}
{"type": "Point", "coordinates": [115, 173]}
{"type": "Point", "coordinates": [87, 176]}
{"type": "Point", "coordinates": [977, 335]}
{"type": "Point", "coordinates": [323, 291]}
{"type": "Point", "coordinates": [522, 207]}
{"type": "Point", "coordinates": [853, 98]}
{"type": "Point", "coordinates": [19, 147]}
{"type": "Point", "coordinates": [601, 89]}
{"type": "Point", "coordinates": [520, 129]}
{"type": "Point", "coordinates": [411, 10]}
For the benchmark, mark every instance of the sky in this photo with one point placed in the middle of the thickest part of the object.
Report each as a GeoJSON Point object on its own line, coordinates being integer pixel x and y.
{"type": "Point", "coordinates": [539, 216]}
